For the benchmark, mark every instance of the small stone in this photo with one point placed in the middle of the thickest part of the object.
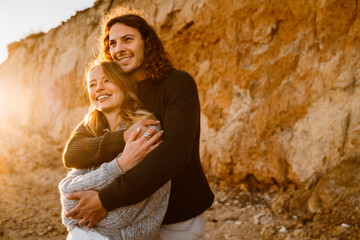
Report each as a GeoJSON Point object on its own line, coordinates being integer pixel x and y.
{"type": "Point", "coordinates": [345, 225]}
{"type": "Point", "coordinates": [42, 233]}
{"type": "Point", "coordinates": [55, 214]}
{"type": "Point", "coordinates": [258, 217]}
{"type": "Point", "coordinates": [238, 222]}
{"type": "Point", "coordinates": [282, 230]}
{"type": "Point", "coordinates": [243, 188]}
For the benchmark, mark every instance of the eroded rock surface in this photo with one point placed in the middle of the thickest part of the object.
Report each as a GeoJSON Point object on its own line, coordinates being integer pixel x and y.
{"type": "Point", "coordinates": [278, 81]}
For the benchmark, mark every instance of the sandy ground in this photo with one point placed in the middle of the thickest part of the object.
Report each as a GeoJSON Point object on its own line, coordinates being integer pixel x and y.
{"type": "Point", "coordinates": [30, 209]}
{"type": "Point", "coordinates": [30, 206]}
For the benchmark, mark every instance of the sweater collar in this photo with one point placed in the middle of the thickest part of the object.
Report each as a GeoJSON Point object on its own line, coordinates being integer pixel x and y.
{"type": "Point", "coordinates": [146, 83]}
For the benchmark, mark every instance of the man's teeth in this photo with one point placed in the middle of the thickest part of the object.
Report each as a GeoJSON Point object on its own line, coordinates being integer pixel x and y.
{"type": "Point", "coordinates": [102, 97]}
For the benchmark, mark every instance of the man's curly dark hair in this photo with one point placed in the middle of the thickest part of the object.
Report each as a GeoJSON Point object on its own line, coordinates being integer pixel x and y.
{"type": "Point", "coordinates": [156, 61]}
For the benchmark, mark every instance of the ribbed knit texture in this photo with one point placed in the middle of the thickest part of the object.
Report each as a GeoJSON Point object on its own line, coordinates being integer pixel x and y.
{"type": "Point", "coordinates": [175, 102]}
{"type": "Point", "coordinates": [138, 221]}
{"type": "Point", "coordinates": [87, 151]}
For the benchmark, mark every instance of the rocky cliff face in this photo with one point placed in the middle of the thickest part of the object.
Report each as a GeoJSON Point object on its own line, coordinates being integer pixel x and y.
{"type": "Point", "coordinates": [278, 81]}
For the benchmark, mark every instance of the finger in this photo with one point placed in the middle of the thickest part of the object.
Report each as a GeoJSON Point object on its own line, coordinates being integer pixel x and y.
{"type": "Point", "coordinates": [134, 134]}
{"type": "Point", "coordinates": [155, 138]}
{"type": "Point", "coordinates": [143, 130]}
{"type": "Point", "coordinates": [78, 216]}
{"type": "Point", "coordinates": [72, 213]}
{"type": "Point", "coordinates": [152, 147]}
{"type": "Point", "coordinates": [151, 130]}
{"type": "Point", "coordinates": [90, 224]}
{"type": "Point", "coordinates": [150, 122]}
{"type": "Point", "coordinates": [73, 196]}
{"type": "Point", "coordinates": [83, 222]}
{"type": "Point", "coordinates": [149, 133]}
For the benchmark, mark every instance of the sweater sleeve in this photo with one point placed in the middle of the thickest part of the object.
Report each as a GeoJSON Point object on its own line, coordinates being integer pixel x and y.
{"type": "Point", "coordinates": [81, 180]}
{"type": "Point", "coordinates": [180, 124]}
{"type": "Point", "coordinates": [144, 217]}
{"type": "Point", "coordinates": [84, 150]}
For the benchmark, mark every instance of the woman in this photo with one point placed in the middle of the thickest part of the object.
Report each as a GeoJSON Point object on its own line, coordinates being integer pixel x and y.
{"type": "Point", "coordinates": [114, 106]}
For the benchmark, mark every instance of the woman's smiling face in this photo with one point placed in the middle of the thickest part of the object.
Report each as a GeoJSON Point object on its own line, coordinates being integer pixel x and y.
{"type": "Point", "coordinates": [106, 96]}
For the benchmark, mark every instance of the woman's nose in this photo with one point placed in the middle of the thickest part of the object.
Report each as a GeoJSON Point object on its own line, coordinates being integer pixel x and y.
{"type": "Point", "coordinates": [100, 87]}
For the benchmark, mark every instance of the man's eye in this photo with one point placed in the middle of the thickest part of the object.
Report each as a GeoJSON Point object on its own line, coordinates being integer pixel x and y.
{"type": "Point", "coordinates": [128, 39]}
{"type": "Point", "coordinates": [112, 43]}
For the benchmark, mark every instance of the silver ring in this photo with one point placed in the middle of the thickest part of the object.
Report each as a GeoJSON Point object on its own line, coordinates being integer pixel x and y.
{"type": "Point", "coordinates": [147, 135]}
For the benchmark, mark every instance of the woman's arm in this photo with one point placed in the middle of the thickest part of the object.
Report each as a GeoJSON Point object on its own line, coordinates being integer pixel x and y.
{"type": "Point", "coordinates": [81, 179]}
{"type": "Point", "coordinates": [150, 211]}
{"type": "Point", "coordinates": [95, 179]}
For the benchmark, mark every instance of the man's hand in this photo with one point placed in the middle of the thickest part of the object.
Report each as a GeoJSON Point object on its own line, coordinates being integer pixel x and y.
{"type": "Point", "coordinates": [142, 124]}
{"type": "Point", "coordinates": [89, 209]}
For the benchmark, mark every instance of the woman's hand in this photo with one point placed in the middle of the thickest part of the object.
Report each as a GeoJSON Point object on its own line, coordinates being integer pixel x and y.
{"type": "Point", "coordinates": [142, 124]}
{"type": "Point", "coordinates": [136, 149]}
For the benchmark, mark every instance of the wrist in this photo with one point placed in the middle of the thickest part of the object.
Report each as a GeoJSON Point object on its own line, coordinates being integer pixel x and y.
{"type": "Point", "coordinates": [121, 163]}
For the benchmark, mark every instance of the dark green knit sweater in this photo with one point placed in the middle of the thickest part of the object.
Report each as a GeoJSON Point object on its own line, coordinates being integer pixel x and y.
{"type": "Point", "coordinates": [175, 102]}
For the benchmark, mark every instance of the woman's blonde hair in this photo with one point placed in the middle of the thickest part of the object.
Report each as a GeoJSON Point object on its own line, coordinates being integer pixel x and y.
{"type": "Point", "coordinates": [130, 111]}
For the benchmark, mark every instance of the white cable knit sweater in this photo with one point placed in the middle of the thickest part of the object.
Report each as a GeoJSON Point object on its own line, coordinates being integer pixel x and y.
{"type": "Point", "coordinates": [138, 221]}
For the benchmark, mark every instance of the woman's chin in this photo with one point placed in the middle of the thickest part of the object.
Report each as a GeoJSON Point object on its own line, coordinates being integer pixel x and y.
{"type": "Point", "coordinates": [109, 110]}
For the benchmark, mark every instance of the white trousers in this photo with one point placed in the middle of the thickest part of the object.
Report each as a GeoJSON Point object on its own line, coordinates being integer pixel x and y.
{"type": "Point", "coordinates": [193, 229]}
{"type": "Point", "coordinates": [80, 234]}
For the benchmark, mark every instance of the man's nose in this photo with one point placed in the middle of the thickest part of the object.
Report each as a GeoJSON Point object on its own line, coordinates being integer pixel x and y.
{"type": "Point", "coordinates": [120, 48]}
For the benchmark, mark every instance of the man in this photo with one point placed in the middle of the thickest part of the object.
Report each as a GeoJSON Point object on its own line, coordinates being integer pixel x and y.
{"type": "Point", "coordinates": [172, 96]}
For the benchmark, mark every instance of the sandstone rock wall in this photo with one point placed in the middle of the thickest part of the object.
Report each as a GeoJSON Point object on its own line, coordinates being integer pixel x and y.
{"type": "Point", "coordinates": [278, 80]}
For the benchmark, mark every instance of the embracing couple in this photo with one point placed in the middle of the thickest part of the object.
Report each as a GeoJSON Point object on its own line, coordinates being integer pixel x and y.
{"type": "Point", "coordinates": [136, 171]}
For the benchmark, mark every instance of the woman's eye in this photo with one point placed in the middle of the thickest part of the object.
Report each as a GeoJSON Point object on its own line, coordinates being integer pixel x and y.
{"type": "Point", "coordinates": [106, 80]}
{"type": "Point", "coordinates": [112, 44]}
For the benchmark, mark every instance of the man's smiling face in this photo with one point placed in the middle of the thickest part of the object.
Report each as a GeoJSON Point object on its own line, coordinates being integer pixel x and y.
{"type": "Point", "coordinates": [127, 48]}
